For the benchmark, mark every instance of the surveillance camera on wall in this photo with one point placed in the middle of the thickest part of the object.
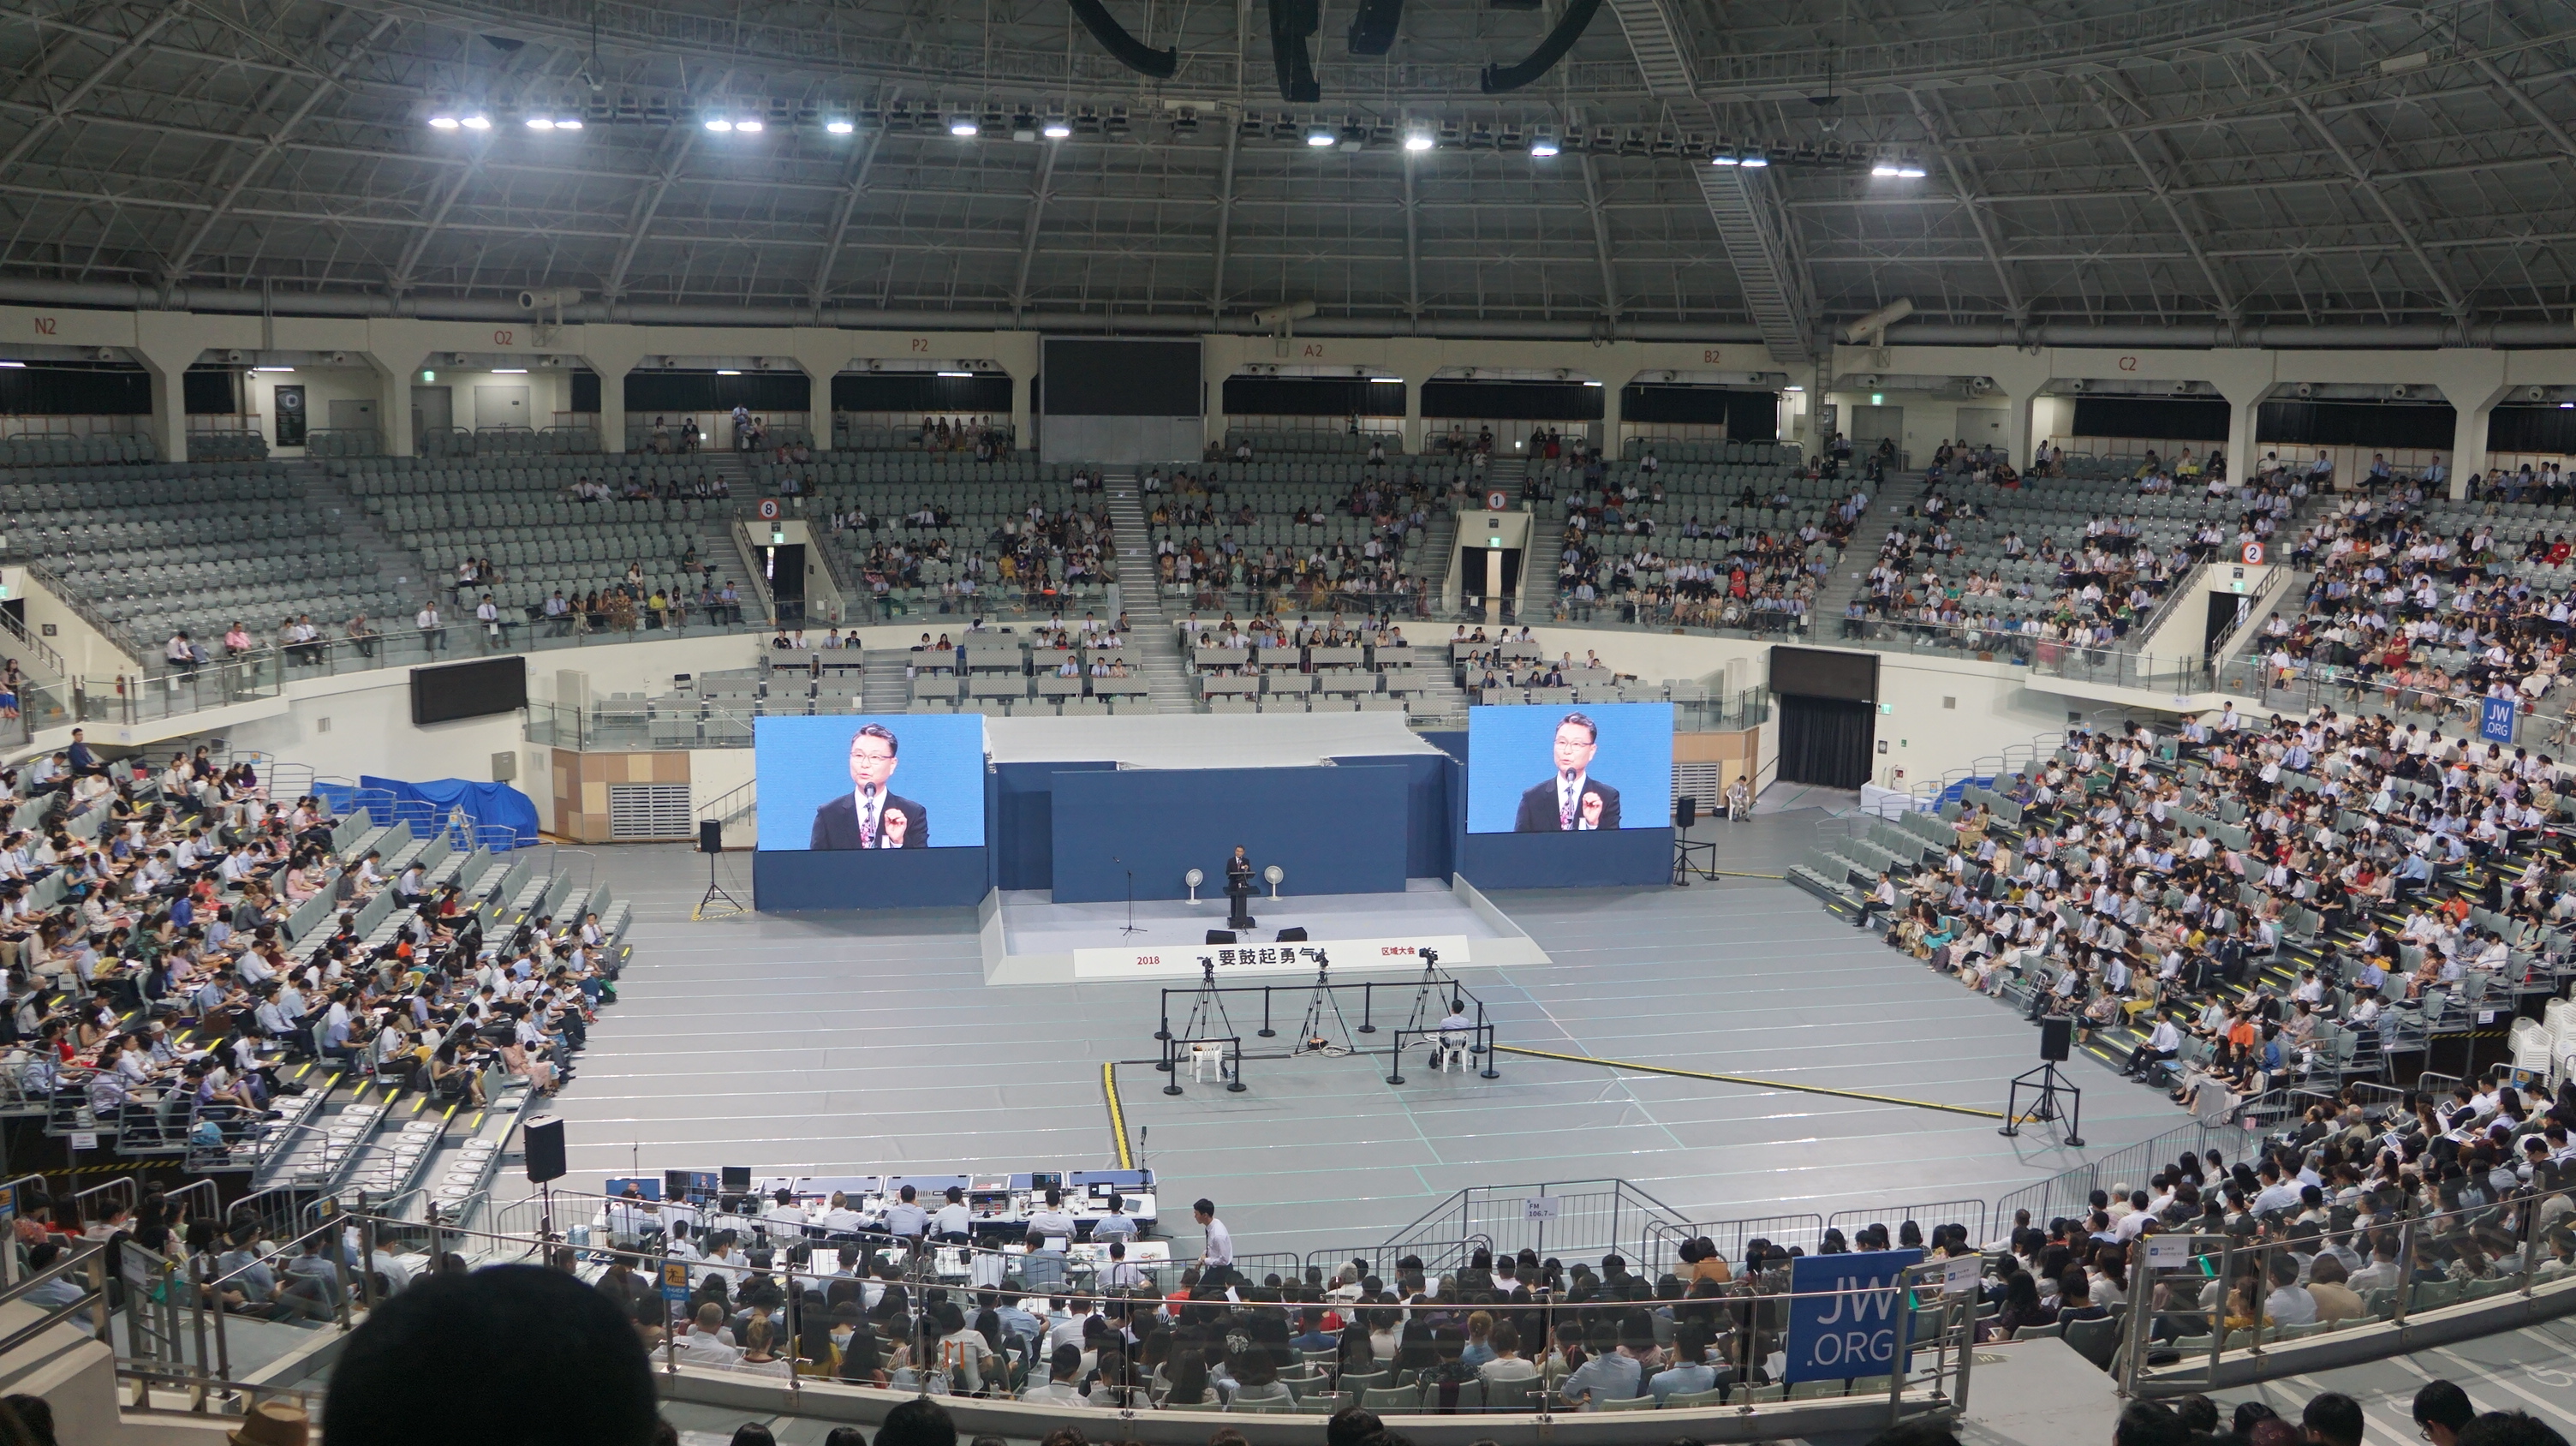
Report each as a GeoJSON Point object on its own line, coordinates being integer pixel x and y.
{"type": "Point", "coordinates": [2076, 385]}
{"type": "Point", "coordinates": [2306, 389]}
{"type": "Point", "coordinates": [105, 354]}
{"type": "Point", "coordinates": [2400, 392]}
{"type": "Point", "coordinates": [2536, 394]}
{"type": "Point", "coordinates": [339, 358]}
{"type": "Point", "coordinates": [237, 357]}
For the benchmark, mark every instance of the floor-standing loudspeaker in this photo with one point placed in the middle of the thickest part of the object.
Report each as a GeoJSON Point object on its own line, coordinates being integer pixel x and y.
{"type": "Point", "coordinates": [544, 1142]}
{"type": "Point", "coordinates": [1685, 812]}
{"type": "Point", "coordinates": [2056, 1038]}
{"type": "Point", "coordinates": [711, 835]}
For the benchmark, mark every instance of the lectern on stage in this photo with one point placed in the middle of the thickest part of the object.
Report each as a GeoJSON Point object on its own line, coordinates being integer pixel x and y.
{"type": "Point", "coordinates": [1238, 892]}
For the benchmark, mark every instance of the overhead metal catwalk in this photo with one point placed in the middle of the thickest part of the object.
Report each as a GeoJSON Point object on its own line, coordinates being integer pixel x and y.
{"type": "Point", "coordinates": [2103, 169]}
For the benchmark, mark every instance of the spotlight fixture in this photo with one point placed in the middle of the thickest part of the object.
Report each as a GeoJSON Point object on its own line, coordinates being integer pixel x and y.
{"type": "Point", "coordinates": [568, 123]}
{"type": "Point", "coordinates": [1321, 133]}
{"type": "Point", "coordinates": [1056, 128]}
{"type": "Point", "coordinates": [962, 126]}
{"type": "Point", "coordinates": [1416, 140]}
{"type": "Point", "coordinates": [442, 122]}
{"type": "Point", "coordinates": [541, 123]}
{"type": "Point", "coordinates": [1725, 156]}
{"type": "Point", "coordinates": [747, 127]}
{"type": "Point", "coordinates": [1755, 160]}
{"type": "Point", "coordinates": [477, 122]}
{"type": "Point", "coordinates": [839, 127]}
{"type": "Point", "coordinates": [1884, 168]}
{"type": "Point", "coordinates": [1542, 145]}
{"type": "Point", "coordinates": [719, 125]}
{"type": "Point", "coordinates": [1910, 170]}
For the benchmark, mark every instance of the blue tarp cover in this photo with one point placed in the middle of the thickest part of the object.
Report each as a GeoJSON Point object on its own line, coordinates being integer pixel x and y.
{"type": "Point", "coordinates": [495, 805]}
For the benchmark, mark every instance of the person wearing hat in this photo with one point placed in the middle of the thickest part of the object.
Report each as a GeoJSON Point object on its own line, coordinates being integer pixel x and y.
{"type": "Point", "coordinates": [272, 1423]}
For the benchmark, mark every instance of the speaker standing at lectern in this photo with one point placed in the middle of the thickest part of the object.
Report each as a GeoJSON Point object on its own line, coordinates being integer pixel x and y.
{"type": "Point", "coordinates": [1238, 889]}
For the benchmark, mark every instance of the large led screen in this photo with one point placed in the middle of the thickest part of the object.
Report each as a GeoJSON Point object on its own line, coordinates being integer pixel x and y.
{"type": "Point", "coordinates": [1569, 768]}
{"type": "Point", "coordinates": [861, 782]}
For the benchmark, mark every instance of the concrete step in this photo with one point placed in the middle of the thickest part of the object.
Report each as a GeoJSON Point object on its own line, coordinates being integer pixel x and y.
{"type": "Point", "coordinates": [1149, 636]}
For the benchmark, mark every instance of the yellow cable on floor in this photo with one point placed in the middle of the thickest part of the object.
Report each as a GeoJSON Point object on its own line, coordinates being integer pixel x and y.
{"type": "Point", "coordinates": [1117, 1116]}
{"type": "Point", "coordinates": [1768, 1084]}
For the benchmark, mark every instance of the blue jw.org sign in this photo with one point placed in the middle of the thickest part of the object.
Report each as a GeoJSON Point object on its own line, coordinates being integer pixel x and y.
{"type": "Point", "coordinates": [2496, 719]}
{"type": "Point", "coordinates": [1846, 1314]}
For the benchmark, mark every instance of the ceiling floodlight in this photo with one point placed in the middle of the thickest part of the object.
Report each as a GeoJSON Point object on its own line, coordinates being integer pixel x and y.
{"type": "Point", "coordinates": [961, 126]}
{"type": "Point", "coordinates": [1057, 128]}
{"type": "Point", "coordinates": [1414, 140]}
{"type": "Point", "coordinates": [839, 127]}
{"type": "Point", "coordinates": [1542, 145]}
{"type": "Point", "coordinates": [719, 125]}
{"type": "Point", "coordinates": [442, 122]}
{"type": "Point", "coordinates": [1321, 134]}
{"type": "Point", "coordinates": [747, 127]}
{"type": "Point", "coordinates": [477, 123]}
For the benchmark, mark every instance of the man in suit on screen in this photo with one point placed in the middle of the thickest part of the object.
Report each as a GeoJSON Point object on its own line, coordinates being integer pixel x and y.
{"type": "Point", "coordinates": [1571, 801]}
{"type": "Point", "coordinates": [868, 816]}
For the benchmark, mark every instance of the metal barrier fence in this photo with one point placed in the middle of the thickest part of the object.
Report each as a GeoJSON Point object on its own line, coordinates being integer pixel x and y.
{"type": "Point", "coordinates": [1551, 1218]}
{"type": "Point", "coordinates": [1969, 1213]}
{"type": "Point", "coordinates": [1931, 1340]}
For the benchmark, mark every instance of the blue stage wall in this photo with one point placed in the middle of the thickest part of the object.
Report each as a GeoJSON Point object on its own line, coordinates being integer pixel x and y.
{"type": "Point", "coordinates": [1335, 830]}
{"type": "Point", "coordinates": [793, 881]}
{"type": "Point", "coordinates": [1429, 852]}
{"type": "Point", "coordinates": [1022, 832]}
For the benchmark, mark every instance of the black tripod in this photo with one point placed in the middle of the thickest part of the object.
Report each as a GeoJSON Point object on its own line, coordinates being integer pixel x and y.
{"type": "Point", "coordinates": [1430, 997]}
{"type": "Point", "coordinates": [2046, 1085]}
{"type": "Point", "coordinates": [1311, 1038]}
{"type": "Point", "coordinates": [1206, 1007]}
{"type": "Point", "coordinates": [715, 892]}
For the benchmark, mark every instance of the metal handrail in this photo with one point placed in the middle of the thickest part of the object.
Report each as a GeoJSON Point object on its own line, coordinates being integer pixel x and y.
{"type": "Point", "coordinates": [91, 1262]}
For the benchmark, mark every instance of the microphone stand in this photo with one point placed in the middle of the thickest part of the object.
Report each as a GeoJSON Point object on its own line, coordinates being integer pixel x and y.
{"type": "Point", "coordinates": [1131, 898]}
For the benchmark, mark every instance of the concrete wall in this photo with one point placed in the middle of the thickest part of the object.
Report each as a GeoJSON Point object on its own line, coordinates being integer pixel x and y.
{"type": "Point", "coordinates": [1946, 714]}
{"type": "Point", "coordinates": [86, 652]}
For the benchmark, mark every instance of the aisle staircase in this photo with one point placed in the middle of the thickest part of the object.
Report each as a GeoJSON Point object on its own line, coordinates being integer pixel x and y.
{"type": "Point", "coordinates": [1835, 593]}
{"type": "Point", "coordinates": [354, 529]}
{"type": "Point", "coordinates": [1150, 640]}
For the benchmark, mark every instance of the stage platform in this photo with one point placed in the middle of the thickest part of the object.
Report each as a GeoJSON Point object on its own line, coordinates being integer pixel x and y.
{"type": "Point", "coordinates": [1029, 939]}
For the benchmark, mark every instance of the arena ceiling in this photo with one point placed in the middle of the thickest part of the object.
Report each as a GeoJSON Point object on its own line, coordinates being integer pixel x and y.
{"type": "Point", "coordinates": [2212, 164]}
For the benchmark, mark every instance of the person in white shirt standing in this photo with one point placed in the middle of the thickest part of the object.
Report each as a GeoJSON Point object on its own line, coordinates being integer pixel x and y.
{"type": "Point", "coordinates": [1216, 1259]}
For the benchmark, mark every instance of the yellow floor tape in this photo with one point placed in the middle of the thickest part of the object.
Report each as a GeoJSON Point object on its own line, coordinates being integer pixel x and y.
{"type": "Point", "coordinates": [1117, 1116]}
{"type": "Point", "coordinates": [1768, 1084]}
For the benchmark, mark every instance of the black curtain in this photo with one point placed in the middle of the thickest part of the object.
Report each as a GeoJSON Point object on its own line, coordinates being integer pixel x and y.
{"type": "Point", "coordinates": [1824, 741]}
